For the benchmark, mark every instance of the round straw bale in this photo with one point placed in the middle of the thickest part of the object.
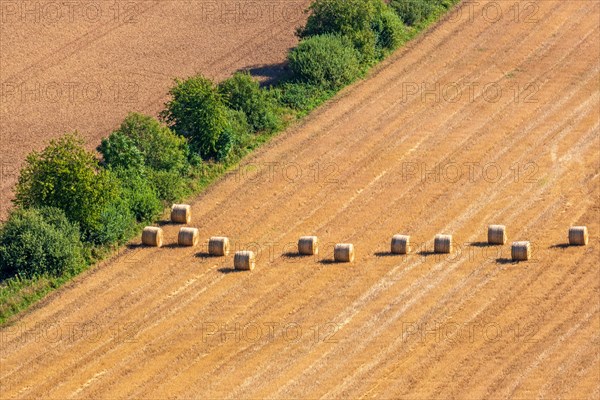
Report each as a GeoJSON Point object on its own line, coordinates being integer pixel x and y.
{"type": "Point", "coordinates": [244, 260]}
{"type": "Point", "coordinates": [188, 236]}
{"type": "Point", "coordinates": [152, 236]}
{"type": "Point", "coordinates": [496, 234]}
{"type": "Point", "coordinates": [400, 244]}
{"type": "Point", "coordinates": [442, 244]}
{"type": "Point", "coordinates": [218, 246]}
{"type": "Point", "coordinates": [578, 236]}
{"type": "Point", "coordinates": [520, 251]}
{"type": "Point", "coordinates": [343, 252]}
{"type": "Point", "coordinates": [308, 245]}
{"type": "Point", "coordinates": [181, 213]}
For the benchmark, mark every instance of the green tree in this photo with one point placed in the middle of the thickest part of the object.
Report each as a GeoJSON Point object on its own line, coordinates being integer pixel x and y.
{"type": "Point", "coordinates": [367, 23]}
{"type": "Point", "coordinates": [197, 111]}
{"type": "Point", "coordinates": [327, 61]}
{"type": "Point", "coordinates": [66, 176]}
{"type": "Point", "coordinates": [242, 93]}
{"type": "Point", "coordinates": [160, 147]}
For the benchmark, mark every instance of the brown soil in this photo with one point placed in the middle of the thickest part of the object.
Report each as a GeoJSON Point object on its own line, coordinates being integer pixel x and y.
{"type": "Point", "coordinates": [171, 322]}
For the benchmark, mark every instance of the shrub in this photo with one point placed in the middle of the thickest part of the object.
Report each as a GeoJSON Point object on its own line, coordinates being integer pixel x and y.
{"type": "Point", "coordinates": [115, 223]}
{"type": "Point", "coordinates": [367, 23]}
{"type": "Point", "coordinates": [412, 12]}
{"type": "Point", "coordinates": [141, 197]}
{"type": "Point", "coordinates": [143, 136]}
{"type": "Point", "coordinates": [197, 111]}
{"type": "Point", "coordinates": [235, 138]}
{"type": "Point", "coordinates": [390, 31]}
{"type": "Point", "coordinates": [40, 241]}
{"type": "Point", "coordinates": [170, 187]}
{"type": "Point", "coordinates": [301, 97]}
{"type": "Point", "coordinates": [242, 93]}
{"type": "Point", "coordinates": [326, 61]}
{"type": "Point", "coordinates": [66, 176]}
{"type": "Point", "coordinates": [120, 151]}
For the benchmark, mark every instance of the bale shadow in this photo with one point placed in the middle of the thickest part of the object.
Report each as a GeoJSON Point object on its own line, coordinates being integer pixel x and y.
{"type": "Point", "coordinates": [229, 270]}
{"type": "Point", "coordinates": [387, 254]}
{"type": "Point", "coordinates": [135, 246]}
{"type": "Point", "coordinates": [328, 261]}
{"type": "Point", "coordinates": [205, 254]}
{"type": "Point", "coordinates": [172, 246]}
{"type": "Point", "coordinates": [483, 244]}
{"type": "Point", "coordinates": [504, 260]}
{"type": "Point", "coordinates": [560, 246]}
{"type": "Point", "coordinates": [292, 254]}
{"type": "Point", "coordinates": [428, 253]}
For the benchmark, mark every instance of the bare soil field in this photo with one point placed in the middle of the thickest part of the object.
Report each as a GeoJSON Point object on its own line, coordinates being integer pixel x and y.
{"type": "Point", "coordinates": [481, 121]}
{"type": "Point", "coordinates": [83, 65]}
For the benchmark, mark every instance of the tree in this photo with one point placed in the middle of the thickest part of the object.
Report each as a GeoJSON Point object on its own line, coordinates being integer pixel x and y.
{"type": "Point", "coordinates": [66, 176]}
{"type": "Point", "coordinates": [197, 111]}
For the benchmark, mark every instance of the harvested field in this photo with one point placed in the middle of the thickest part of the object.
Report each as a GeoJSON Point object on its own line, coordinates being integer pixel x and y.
{"type": "Point", "coordinates": [418, 148]}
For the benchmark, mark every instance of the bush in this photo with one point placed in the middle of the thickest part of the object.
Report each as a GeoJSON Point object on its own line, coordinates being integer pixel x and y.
{"type": "Point", "coordinates": [328, 61]}
{"type": "Point", "coordinates": [197, 111]}
{"type": "Point", "coordinates": [66, 176]}
{"type": "Point", "coordinates": [242, 93]}
{"type": "Point", "coordinates": [367, 23]}
{"type": "Point", "coordinates": [236, 137]}
{"type": "Point", "coordinates": [40, 241]}
{"type": "Point", "coordinates": [412, 12]}
{"type": "Point", "coordinates": [170, 187]}
{"type": "Point", "coordinates": [120, 151]}
{"type": "Point", "coordinates": [390, 31]}
{"type": "Point", "coordinates": [115, 224]}
{"type": "Point", "coordinates": [141, 137]}
{"type": "Point", "coordinates": [141, 197]}
{"type": "Point", "coordinates": [301, 97]}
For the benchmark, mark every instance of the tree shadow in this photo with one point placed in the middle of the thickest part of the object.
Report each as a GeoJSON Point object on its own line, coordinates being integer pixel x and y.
{"type": "Point", "coordinates": [269, 74]}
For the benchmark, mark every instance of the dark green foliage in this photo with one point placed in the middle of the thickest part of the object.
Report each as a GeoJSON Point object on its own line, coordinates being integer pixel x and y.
{"type": "Point", "coordinates": [142, 198]}
{"type": "Point", "coordinates": [39, 241]}
{"type": "Point", "coordinates": [412, 12]}
{"type": "Point", "coordinates": [197, 111]}
{"type": "Point", "coordinates": [141, 137]}
{"type": "Point", "coordinates": [367, 23]}
{"type": "Point", "coordinates": [120, 151]}
{"type": "Point", "coordinates": [301, 97]}
{"type": "Point", "coordinates": [66, 176]}
{"type": "Point", "coordinates": [327, 61]}
{"type": "Point", "coordinates": [242, 93]}
{"type": "Point", "coordinates": [115, 225]}
{"type": "Point", "coordinates": [170, 186]}
{"type": "Point", "coordinates": [389, 30]}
